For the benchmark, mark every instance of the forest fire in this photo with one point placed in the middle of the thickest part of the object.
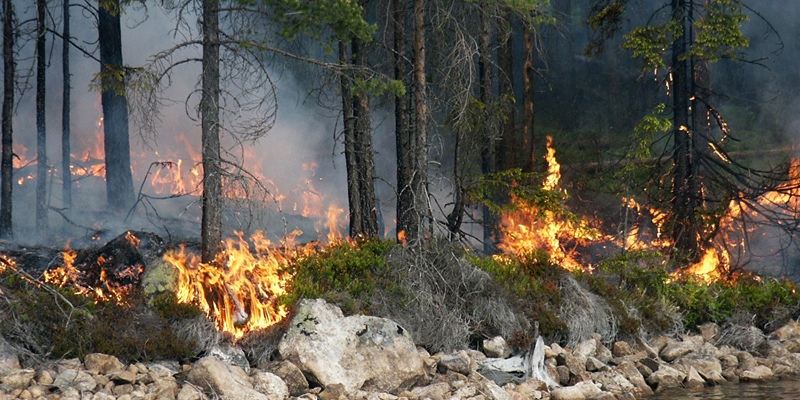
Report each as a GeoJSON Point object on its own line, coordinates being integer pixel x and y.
{"type": "Point", "coordinates": [527, 228]}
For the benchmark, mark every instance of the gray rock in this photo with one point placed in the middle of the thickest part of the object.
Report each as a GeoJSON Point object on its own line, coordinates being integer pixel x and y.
{"type": "Point", "coordinates": [632, 374]}
{"type": "Point", "coordinates": [580, 391]}
{"type": "Point", "coordinates": [356, 351]}
{"type": "Point", "coordinates": [190, 392]}
{"type": "Point", "coordinates": [789, 331]}
{"type": "Point", "coordinates": [587, 347]}
{"type": "Point", "coordinates": [496, 347]}
{"type": "Point", "coordinates": [787, 365]}
{"type": "Point", "coordinates": [707, 367]}
{"type": "Point", "coordinates": [693, 379]}
{"type": "Point", "coordinates": [434, 391]}
{"type": "Point", "coordinates": [72, 378]}
{"type": "Point", "coordinates": [9, 357]}
{"type": "Point", "coordinates": [295, 381]}
{"type": "Point", "coordinates": [612, 381]}
{"type": "Point", "coordinates": [573, 363]}
{"type": "Point", "coordinates": [494, 392]}
{"type": "Point", "coordinates": [594, 365]}
{"type": "Point", "coordinates": [621, 349]}
{"type": "Point", "coordinates": [227, 381]}
{"type": "Point", "coordinates": [270, 384]}
{"type": "Point", "coordinates": [673, 351]}
{"type": "Point", "coordinates": [230, 354]}
{"type": "Point", "coordinates": [459, 362]}
{"type": "Point", "coordinates": [665, 377]}
{"type": "Point", "coordinates": [603, 353]}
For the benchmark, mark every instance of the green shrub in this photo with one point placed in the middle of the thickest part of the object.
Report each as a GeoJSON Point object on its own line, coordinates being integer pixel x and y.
{"type": "Point", "coordinates": [342, 273]}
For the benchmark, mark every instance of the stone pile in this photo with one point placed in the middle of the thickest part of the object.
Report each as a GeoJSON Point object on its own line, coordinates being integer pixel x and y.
{"type": "Point", "coordinates": [326, 356]}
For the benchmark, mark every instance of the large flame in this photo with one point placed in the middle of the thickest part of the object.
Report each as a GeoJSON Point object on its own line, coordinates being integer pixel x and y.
{"type": "Point", "coordinates": [527, 229]}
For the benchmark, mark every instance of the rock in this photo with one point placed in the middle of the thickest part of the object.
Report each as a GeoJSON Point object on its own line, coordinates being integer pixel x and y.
{"type": "Point", "coordinates": [693, 379]}
{"type": "Point", "coordinates": [594, 365]}
{"type": "Point", "coordinates": [710, 332]}
{"type": "Point", "coordinates": [160, 277]}
{"type": "Point", "coordinates": [580, 391]}
{"type": "Point", "coordinates": [230, 354]}
{"type": "Point", "coordinates": [672, 351]}
{"type": "Point", "coordinates": [707, 367]}
{"type": "Point", "coordinates": [603, 353]}
{"type": "Point", "coordinates": [435, 391]}
{"type": "Point", "coordinates": [773, 349]}
{"type": "Point", "coordinates": [166, 388]}
{"type": "Point", "coordinates": [227, 381]}
{"type": "Point", "coordinates": [756, 374]}
{"type": "Point", "coordinates": [334, 391]}
{"type": "Point", "coordinates": [353, 351]}
{"type": "Point", "coordinates": [496, 348]}
{"type": "Point", "coordinates": [665, 377]}
{"type": "Point", "coordinates": [729, 361]}
{"type": "Point", "coordinates": [557, 349]}
{"type": "Point", "coordinates": [792, 345]}
{"type": "Point", "coordinates": [270, 384]}
{"type": "Point", "coordinates": [494, 392]}
{"type": "Point", "coordinates": [621, 349]}
{"type": "Point", "coordinates": [190, 392]}
{"type": "Point", "coordinates": [787, 365]}
{"type": "Point", "coordinates": [602, 396]}
{"type": "Point", "coordinates": [613, 381]}
{"type": "Point", "coordinates": [459, 362]}
{"type": "Point", "coordinates": [659, 342]}
{"type": "Point", "coordinates": [746, 360]}
{"type": "Point", "coordinates": [562, 374]}
{"type": "Point", "coordinates": [632, 374]}
{"type": "Point", "coordinates": [587, 347]}
{"type": "Point", "coordinates": [789, 331]}
{"type": "Point", "coordinates": [295, 381]}
{"type": "Point", "coordinates": [102, 363]}
{"type": "Point", "coordinates": [573, 363]}
{"type": "Point", "coordinates": [19, 378]}
{"type": "Point", "coordinates": [651, 351]}
{"type": "Point", "coordinates": [123, 377]}
{"type": "Point", "coordinates": [72, 378]}
{"type": "Point", "coordinates": [9, 357]}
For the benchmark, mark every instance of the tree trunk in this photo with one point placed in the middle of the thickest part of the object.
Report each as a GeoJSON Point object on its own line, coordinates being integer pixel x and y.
{"type": "Point", "coordinates": [528, 116]}
{"type": "Point", "coordinates": [9, 83]}
{"type": "Point", "coordinates": [211, 229]}
{"type": "Point", "coordinates": [488, 128]}
{"type": "Point", "coordinates": [349, 123]}
{"type": "Point", "coordinates": [119, 181]}
{"type": "Point", "coordinates": [41, 128]}
{"type": "Point", "coordinates": [419, 179]}
{"type": "Point", "coordinates": [684, 229]}
{"type": "Point", "coordinates": [507, 156]}
{"type": "Point", "coordinates": [66, 174]}
{"type": "Point", "coordinates": [406, 223]}
{"type": "Point", "coordinates": [365, 161]}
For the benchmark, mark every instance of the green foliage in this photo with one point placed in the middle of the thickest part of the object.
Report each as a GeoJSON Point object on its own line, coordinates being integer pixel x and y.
{"type": "Point", "coordinates": [111, 77]}
{"type": "Point", "coordinates": [342, 18]}
{"type": "Point", "coordinates": [534, 279]}
{"type": "Point", "coordinates": [719, 32]}
{"type": "Point", "coordinates": [651, 42]}
{"type": "Point", "coordinates": [344, 273]}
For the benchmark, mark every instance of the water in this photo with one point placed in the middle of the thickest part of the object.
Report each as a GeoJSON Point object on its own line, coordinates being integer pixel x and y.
{"type": "Point", "coordinates": [786, 389]}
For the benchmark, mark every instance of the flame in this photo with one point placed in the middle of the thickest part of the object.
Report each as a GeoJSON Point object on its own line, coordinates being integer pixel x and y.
{"type": "Point", "coordinates": [240, 289]}
{"type": "Point", "coordinates": [527, 229]}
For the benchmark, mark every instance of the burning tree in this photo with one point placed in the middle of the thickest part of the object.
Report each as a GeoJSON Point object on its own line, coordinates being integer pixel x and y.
{"type": "Point", "coordinates": [696, 178]}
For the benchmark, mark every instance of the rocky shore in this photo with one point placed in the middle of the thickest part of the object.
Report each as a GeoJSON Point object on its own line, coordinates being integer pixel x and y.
{"type": "Point", "coordinates": [327, 356]}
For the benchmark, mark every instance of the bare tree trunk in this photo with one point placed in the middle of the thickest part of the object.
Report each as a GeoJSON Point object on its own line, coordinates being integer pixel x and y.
{"type": "Point", "coordinates": [365, 161]}
{"type": "Point", "coordinates": [119, 181]}
{"type": "Point", "coordinates": [9, 83]}
{"type": "Point", "coordinates": [406, 222]}
{"type": "Point", "coordinates": [66, 174]}
{"type": "Point", "coordinates": [488, 129]}
{"type": "Point", "coordinates": [507, 156]}
{"type": "Point", "coordinates": [349, 123]}
{"type": "Point", "coordinates": [528, 116]}
{"type": "Point", "coordinates": [684, 229]}
{"type": "Point", "coordinates": [419, 179]}
{"type": "Point", "coordinates": [211, 229]}
{"type": "Point", "coordinates": [41, 128]}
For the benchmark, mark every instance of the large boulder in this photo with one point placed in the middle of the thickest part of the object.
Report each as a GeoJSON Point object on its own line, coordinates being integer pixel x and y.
{"type": "Point", "coordinates": [9, 357]}
{"type": "Point", "coordinates": [356, 351]}
{"type": "Point", "coordinates": [665, 377]}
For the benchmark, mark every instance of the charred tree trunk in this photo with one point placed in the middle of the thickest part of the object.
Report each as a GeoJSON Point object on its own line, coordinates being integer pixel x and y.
{"type": "Point", "coordinates": [211, 229]}
{"type": "Point", "coordinates": [9, 84]}
{"type": "Point", "coordinates": [365, 162]}
{"type": "Point", "coordinates": [406, 222]}
{"type": "Point", "coordinates": [419, 172]}
{"type": "Point", "coordinates": [684, 229]}
{"type": "Point", "coordinates": [119, 181]}
{"type": "Point", "coordinates": [66, 174]}
{"type": "Point", "coordinates": [488, 129]}
{"type": "Point", "coordinates": [528, 116]}
{"type": "Point", "coordinates": [41, 128]}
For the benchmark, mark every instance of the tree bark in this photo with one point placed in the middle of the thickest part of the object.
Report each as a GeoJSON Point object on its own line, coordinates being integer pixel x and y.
{"type": "Point", "coordinates": [365, 161]}
{"type": "Point", "coordinates": [684, 229]}
{"type": "Point", "coordinates": [507, 156]}
{"type": "Point", "coordinates": [9, 84]}
{"type": "Point", "coordinates": [211, 229]}
{"type": "Point", "coordinates": [41, 128]}
{"type": "Point", "coordinates": [349, 123]}
{"type": "Point", "coordinates": [528, 116]}
{"type": "Point", "coordinates": [406, 222]}
{"type": "Point", "coordinates": [119, 181]}
{"type": "Point", "coordinates": [66, 174]}
{"type": "Point", "coordinates": [419, 178]}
